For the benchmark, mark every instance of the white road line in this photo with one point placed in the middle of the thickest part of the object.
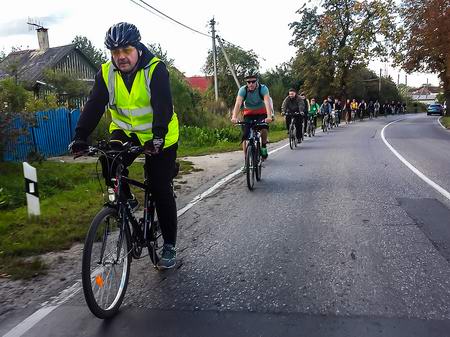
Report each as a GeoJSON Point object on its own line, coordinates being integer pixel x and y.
{"type": "Point", "coordinates": [422, 176]}
{"type": "Point", "coordinates": [217, 185]}
{"type": "Point", "coordinates": [68, 293]}
{"type": "Point", "coordinates": [35, 318]}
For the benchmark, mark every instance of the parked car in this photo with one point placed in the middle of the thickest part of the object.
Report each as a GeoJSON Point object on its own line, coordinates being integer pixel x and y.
{"type": "Point", "coordinates": [435, 108]}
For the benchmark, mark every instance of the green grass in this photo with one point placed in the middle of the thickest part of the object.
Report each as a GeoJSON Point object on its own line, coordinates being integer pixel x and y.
{"type": "Point", "coordinates": [66, 214]}
{"type": "Point", "coordinates": [70, 196]}
{"type": "Point", "coordinates": [277, 132]}
{"type": "Point", "coordinates": [446, 121]}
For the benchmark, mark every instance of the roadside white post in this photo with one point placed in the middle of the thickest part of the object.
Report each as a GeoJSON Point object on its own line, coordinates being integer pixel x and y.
{"type": "Point", "coordinates": [31, 189]}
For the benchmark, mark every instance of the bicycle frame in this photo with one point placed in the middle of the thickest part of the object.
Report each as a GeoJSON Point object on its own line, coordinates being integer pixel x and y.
{"type": "Point", "coordinates": [139, 232]}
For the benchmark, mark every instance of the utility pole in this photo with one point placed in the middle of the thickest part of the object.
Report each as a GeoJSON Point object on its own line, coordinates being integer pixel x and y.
{"type": "Point", "coordinates": [213, 31]}
{"type": "Point", "coordinates": [379, 84]}
{"type": "Point", "coordinates": [398, 79]}
{"type": "Point", "coordinates": [228, 62]}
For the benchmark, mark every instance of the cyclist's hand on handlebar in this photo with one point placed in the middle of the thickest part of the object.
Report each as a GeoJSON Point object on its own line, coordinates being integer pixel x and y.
{"type": "Point", "coordinates": [268, 120]}
{"type": "Point", "coordinates": [78, 146]}
{"type": "Point", "coordinates": [234, 120]}
{"type": "Point", "coordinates": [154, 146]}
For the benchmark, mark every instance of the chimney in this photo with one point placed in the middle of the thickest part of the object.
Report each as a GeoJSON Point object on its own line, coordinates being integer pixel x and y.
{"type": "Point", "coordinates": [43, 38]}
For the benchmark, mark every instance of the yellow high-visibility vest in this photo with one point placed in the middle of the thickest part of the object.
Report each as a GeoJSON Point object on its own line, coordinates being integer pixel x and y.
{"type": "Point", "coordinates": [132, 111]}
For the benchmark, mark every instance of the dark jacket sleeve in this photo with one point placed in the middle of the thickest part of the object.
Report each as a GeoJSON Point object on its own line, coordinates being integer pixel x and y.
{"type": "Point", "coordinates": [301, 105]}
{"type": "Point", "coordinates": [161, 100]}
{"type": "Point", "coordinates": [283, 105]}
{"type": "Point", "coordinates": [93, 109]}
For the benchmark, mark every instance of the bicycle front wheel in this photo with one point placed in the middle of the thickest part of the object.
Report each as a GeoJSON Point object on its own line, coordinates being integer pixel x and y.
{"type": "Point", "coordinates": [291, 137]}
{"type": "Point", "coordinates": [250, 166]}
{"type": "Point", "coordinates": [106, 264]}
{"type": "Point", "coordinates": [258, 162]}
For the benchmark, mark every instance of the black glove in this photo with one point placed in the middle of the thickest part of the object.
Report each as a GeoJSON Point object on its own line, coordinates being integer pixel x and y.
{"type": "Point", "coordinates": [78, 146]}
{"type": "Point", "coordinates": [154, 146]}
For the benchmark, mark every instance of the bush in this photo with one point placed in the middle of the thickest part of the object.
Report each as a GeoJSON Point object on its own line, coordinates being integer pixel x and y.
{"type": "Point", "coordinates": [101, 131]}
{"type": "Point", "coordinates": [197, 137]}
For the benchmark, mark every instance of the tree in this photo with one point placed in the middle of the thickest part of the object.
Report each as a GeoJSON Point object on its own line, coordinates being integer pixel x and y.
{"type": "Point", "coordinates": [342, 35]}
{"type": "Point", "coordinates": [241, 60]}
{"type": "Point", "coordinates": [157, 50]}
{"type": "Point", "coordinates": [309, 70]}
{"type": "Point", "coordinates": [186, 101]}
{"type": "Point", "coordinates": [279, 80]}
{"type": "Point", "coordinates": [17, 102]}
{"type": "Point", "coordinates": [97, 56]}
{"type": "Point", "coordinates": [67, 89]}
{"type": "Point", "coordinates": [426, 39]}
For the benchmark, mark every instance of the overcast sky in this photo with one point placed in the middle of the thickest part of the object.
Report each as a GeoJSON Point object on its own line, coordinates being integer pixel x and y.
{"type": "Point", "coordinates": [259, 25]}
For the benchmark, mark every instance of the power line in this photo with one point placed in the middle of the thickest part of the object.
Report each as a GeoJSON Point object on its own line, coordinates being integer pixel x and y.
{"type": "Point", "coordinates": [170, 18]}
{"type": "Point", "coordinates": [148, 10]}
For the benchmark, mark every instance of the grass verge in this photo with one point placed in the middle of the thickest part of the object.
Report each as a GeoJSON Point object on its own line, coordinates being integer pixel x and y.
{"type": "Point", "coordinates": [70, 197]}
{"type": "Point", "coordinates": [446, 121]}
{"type": "Point", "coordinates": [66, 214]}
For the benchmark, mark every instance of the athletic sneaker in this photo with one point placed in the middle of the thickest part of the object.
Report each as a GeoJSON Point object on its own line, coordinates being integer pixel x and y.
{"type": "Point", "coordinates": [264, 153]}
{"type": "Point", "coordinates": [168, 257]}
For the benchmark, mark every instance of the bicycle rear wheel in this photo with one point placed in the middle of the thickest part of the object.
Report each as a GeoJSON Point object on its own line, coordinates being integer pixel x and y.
{"type": "Point", "coordinates": [106, 264]}
{"type": "Point", "coordinates": [249, 166]}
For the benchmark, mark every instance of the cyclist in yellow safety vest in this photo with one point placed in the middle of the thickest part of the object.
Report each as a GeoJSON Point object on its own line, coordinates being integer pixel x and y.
{"type": "Point", "coordinates": [134, 87]}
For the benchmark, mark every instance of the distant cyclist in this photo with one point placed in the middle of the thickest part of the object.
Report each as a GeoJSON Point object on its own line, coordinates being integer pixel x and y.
{"type": "Point", "coordinates": [376, 108]}
{"type": "Point", "coordinates": [337, 108]}
{"type": "Point", "coordinates": [314, 109]}
{"type": "Point", "coordinates": [255, 100]}
{"type": "Point", "coordinates": [354, 109]}
{"type": "Point", "coordinates": [293, 104]}
{"type": "Point", "coordinates": [325, 113]}
{"type": "Point", "coordinates": [347, 111]}
{"type": "Point", "coordinates": [371, 109]}
{"type": "Point", "coordinates": [305, 110]}
{"type": "Point", "coordinates": [362, 107]}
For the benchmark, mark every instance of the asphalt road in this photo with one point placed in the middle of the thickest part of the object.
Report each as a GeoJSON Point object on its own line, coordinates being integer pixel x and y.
{"type": "Point", "coordinates": [339, 239]}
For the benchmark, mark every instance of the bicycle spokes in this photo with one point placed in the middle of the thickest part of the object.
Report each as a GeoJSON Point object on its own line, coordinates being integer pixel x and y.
{"type": "Point", "coordinates": [106, 260]}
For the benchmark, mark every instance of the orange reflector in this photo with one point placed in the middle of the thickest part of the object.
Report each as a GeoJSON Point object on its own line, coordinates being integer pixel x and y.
{"type": "Point", "coordinates": [99, 281]}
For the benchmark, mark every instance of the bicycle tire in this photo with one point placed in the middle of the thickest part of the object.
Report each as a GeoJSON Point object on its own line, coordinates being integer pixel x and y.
{"type": "Point", "coordinates": [91, 243]}
{"type": "Point", "coordinates": [258, 162]}
{"type": "Point", "coordinates": [291, 136]}
{"type": "Point", "coordinates": [249, 165]}
{"type": "Point", "coordinates": [156, 241]}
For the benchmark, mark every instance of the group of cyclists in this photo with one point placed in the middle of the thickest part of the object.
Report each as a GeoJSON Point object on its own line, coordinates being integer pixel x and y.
{"type": "Point", "coordinates": [134, 87]}
{"type": "Point", "coordinates": [254, 101]}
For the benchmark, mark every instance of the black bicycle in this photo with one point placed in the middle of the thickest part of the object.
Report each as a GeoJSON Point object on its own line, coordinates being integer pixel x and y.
{"type": "Point", "coordinates": [253, 159]}
{"type": "Point", "coordinates": [293, 130]}
{"type": "Point", "coordinates": [116, 235]}
{"type": "Point", "coordinates": [311, 128]}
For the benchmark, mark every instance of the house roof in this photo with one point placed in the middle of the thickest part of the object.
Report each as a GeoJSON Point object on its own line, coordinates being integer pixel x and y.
{"type": "Point", "coordinates": [425, 90]}
{"type": "Point", "coordinates": [199, 82]}
{"type": "Point", "coordinates": [31, 63]}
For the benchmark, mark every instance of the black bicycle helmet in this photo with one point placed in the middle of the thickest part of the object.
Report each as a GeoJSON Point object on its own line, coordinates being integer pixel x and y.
{"type": "Point", "coordinates": [122, 34]}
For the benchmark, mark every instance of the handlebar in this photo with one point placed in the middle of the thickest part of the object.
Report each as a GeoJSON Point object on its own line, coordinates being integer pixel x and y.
{"type": "Point", "coordinates": [111, 148]}
{"type": "Point", "coordinates": [252, 123]}
{"type": "Point", "coordinates": [294, 114]}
